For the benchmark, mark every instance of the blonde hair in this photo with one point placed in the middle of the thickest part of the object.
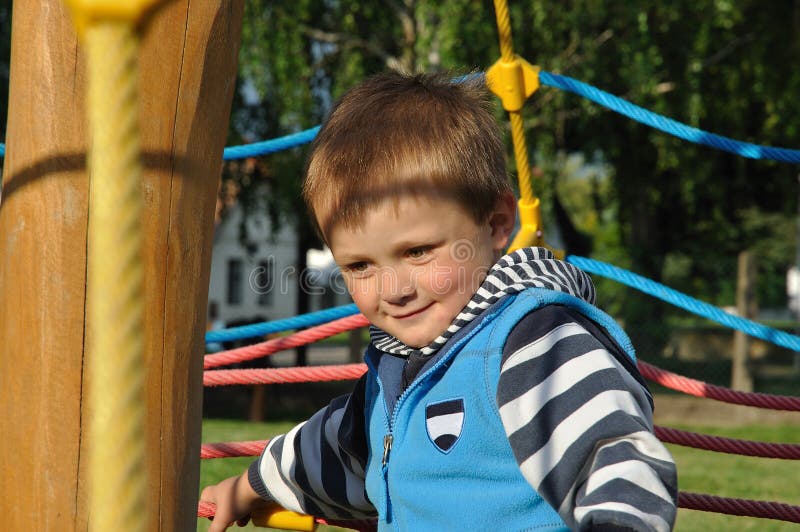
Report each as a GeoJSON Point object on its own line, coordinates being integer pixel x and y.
{"type": "Point", "coordinates": [395, 135]}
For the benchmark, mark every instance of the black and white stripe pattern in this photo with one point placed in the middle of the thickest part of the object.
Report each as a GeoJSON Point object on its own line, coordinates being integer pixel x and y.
{"type": "Point", "coordinates": [521, 269]}
{"type": "Point", "coordinates": [580, 427]}
{"type": "Point", "coordinates": [318, 467]}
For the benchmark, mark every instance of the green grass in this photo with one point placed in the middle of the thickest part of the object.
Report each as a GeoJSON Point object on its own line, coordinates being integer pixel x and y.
{"type": "Point", "coordinates": [698, 471]}
{"type": "Point", "coordinates": [737, 476]}
{"type": "Point", "coordinates": [213, 471]}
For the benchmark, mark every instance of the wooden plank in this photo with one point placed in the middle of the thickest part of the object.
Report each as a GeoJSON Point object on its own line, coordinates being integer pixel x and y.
{"type": "Point", "coordinates": [191, 118]}
{"type": "Point", "coordinates": [188, 66]}
{"type": "Point", "coordinates": [43, 221]}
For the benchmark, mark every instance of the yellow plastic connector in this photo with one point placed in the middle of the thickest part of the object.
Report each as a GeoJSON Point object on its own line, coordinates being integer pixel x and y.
{"type": "Point", "coordinates": [513, 82]}
{"type": "Point", "coordinates": [85, 12]}
{"type": "Point", "coordinates": [274, 516]}
{"type": "Point", "coordinates": [530, 231]}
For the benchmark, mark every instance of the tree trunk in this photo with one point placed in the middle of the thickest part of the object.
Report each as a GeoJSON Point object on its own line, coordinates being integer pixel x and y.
{"type": "Point", "coordinates": [746, 307]}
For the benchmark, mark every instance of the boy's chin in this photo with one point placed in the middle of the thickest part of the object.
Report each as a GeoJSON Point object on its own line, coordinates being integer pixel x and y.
{"type": "Point", "coordinates": [415, 341]}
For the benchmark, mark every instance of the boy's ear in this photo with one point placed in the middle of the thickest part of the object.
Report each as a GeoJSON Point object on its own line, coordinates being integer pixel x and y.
{"type": "Point", "coordinates": [501, 221]}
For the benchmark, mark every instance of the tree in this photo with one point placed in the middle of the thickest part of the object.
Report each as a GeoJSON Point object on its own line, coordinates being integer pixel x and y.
{"type": "Point", "coordinates": [706, 63]}
{"type": "Point", "coordinates": [5, 61]}
{"type": "Point", "coordinates": [670, 210]}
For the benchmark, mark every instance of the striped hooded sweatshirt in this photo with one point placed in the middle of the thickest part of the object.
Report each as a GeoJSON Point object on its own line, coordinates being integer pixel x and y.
{"type": "Point", "coordinates": [526, 413]}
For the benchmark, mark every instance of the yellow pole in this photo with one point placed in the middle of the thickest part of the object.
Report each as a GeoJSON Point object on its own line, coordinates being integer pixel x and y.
{"type": "Point", "coordinates": [514, 115]}
{"type": "Point", "coordinates": [117, 461]}
{"type": "Point", "coordinates": [117, 469]}
{"type": "Point", "coordinates": [514, 80]}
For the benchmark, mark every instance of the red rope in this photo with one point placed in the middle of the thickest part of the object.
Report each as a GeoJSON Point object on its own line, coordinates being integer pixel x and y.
{"type": "Point", "coordinates": [341, 372]}
{"type": "Point", "coordinates": [741, 507]}
{"type": "Point", "coordinates": [299, 338]}
{"type": "Point", "coordinates": [232, 449]}
{"type": "Point", "coordinates": [719, 393]}
{"type": "Point", "coordinates": [691, 501]}
{"type": "Point", "coordinates": [207, 509]}
{"type": "Point", "coordinates": [786, 451]}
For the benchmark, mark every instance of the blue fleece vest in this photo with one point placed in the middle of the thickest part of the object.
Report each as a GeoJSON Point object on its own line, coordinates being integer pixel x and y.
{"type": "Point", "coordinates": [473, 483]}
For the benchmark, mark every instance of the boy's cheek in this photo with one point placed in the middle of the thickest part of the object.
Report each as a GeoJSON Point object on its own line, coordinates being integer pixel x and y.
{"type": "Point", "coordinates": [451, 279]}
{"type": "Point", "coordinates": [361, 291]}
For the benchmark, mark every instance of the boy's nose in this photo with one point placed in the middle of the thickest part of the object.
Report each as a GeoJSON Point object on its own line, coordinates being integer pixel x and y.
{"type": "Point", "coordinates": [399, 298]}
{"type": "Point", "coordinates": [397, 289]}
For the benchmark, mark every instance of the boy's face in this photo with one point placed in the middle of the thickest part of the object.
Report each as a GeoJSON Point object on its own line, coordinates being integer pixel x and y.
{"type": "Point", "coordinates": [412, 265]}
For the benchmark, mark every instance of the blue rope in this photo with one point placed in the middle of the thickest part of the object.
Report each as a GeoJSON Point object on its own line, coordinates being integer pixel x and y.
{"type": "Point", "coordinates": [691, 304]}
{"type": "Point", "coordinates": [295, 322]}
{"type": "Point", "coordinates": [270, 146]}
{"type": "Point", "coordinates": [255, 149]}
{"type": "Point", "coordinates": [667, 125]}
{"type": "Point", "coordinates": [634, 112]}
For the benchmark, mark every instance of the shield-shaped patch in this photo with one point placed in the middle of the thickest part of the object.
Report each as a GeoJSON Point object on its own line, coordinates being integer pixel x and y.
{"type": "Point", "coordinates": [444, 422]}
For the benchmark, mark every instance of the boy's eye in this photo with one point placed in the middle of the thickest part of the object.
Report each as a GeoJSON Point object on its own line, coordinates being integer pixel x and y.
{"type": "Point", "coordinates": [357, 267]}
{"type": "Point", "coordinates": [417, 253]}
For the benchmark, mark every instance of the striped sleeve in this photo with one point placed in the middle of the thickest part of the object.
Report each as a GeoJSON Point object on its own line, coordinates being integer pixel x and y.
{"type": "Point", "coordinates": [579, 420]}
{"type": "Point", "coordinates": [317, 468]}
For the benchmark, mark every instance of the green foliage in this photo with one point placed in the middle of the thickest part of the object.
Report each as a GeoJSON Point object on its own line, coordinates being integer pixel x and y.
{"type": "Point", "coordinates": [5, 61]}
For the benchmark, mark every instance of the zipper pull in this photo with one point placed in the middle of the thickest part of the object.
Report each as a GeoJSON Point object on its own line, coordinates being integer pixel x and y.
{"type": "Point", "coordinates": [387, 447]}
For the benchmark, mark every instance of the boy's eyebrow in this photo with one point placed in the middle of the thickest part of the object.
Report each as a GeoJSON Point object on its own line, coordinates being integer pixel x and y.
{"type": "Point", "coordinates": [349, 258]}
{"type": "Point", "coordinates": [416, 243]}
{"type": "Point", "coordinates": [422, 241]}
{"type": "Point", "coordinates": [395, 249]}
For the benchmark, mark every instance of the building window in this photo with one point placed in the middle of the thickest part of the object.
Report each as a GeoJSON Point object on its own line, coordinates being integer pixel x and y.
{"type": "Point", "coordinates": [264, 281]}
{"type": "Point", "coordinates": [235, 270]}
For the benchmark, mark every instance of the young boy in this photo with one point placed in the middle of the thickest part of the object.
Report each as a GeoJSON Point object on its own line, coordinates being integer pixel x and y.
{"type": "Point", "coordinates": [497, 396]}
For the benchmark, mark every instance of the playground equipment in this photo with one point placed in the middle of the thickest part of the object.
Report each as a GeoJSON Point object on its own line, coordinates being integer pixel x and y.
{"type": "Point", "coordinates": [44, 243]}
{"type": "Point", "coordinates": [187, 57]}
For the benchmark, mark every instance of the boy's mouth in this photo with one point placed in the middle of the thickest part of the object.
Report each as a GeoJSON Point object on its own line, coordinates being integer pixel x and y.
{"type": "Point", "coordinates": [413, 313]}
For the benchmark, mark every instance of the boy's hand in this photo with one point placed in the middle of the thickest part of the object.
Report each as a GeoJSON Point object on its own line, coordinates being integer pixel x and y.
{"type": "Point", "coordinates": [235, 500]}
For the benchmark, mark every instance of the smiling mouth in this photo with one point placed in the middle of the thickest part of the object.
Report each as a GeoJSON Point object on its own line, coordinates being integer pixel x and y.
{"type": "Point", "coordinates": [412, 314]}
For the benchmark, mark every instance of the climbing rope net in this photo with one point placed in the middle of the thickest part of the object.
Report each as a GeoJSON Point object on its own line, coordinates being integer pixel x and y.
{"type": "Point", "coordinates": [323, 324]}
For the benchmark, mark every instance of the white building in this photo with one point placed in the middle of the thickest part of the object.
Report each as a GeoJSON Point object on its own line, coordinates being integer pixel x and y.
{"type": "Point", "coordinates": [257, 279]}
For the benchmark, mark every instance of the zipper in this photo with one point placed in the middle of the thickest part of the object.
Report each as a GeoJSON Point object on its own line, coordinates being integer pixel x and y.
{"type": "Point", "coordinates": [387, 449]}
{"type": "Point", "coordinates": [388, 438]}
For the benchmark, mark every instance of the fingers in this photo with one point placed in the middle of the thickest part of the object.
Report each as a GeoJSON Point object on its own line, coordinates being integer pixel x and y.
{"type": "Point", "coordinates": [220, 523]}
{"type": "Point", "coordinates": [234, 499]}
{"type": "Point", "coordinates": [217, 525]}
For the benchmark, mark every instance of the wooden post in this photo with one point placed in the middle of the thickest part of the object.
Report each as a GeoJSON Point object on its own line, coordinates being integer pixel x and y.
{"type": "Point", "coordinates": [187, 70]}
{"type": "Point", "coordinates": [746, 305]}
